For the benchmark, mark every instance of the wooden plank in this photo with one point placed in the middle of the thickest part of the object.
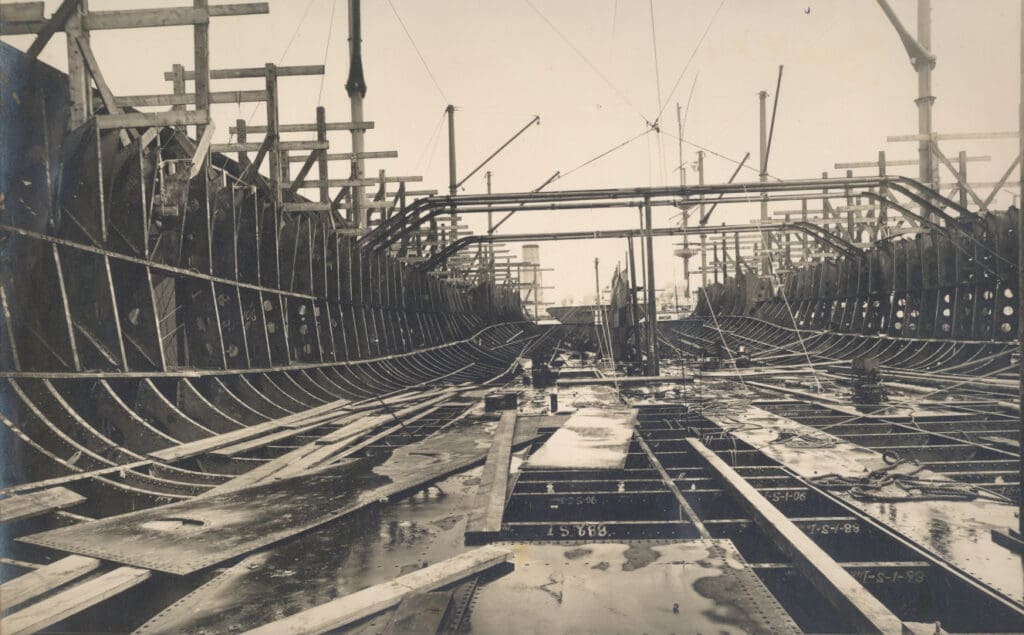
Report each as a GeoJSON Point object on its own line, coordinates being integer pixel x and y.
{"type": "Point", "coordinates": [37, 503]}
{"type": "Point", "coordinates": [220, 97]}
{"type": "Point", "coordinates": [259, 71]}
{"type": "Point", "coordinates": [21, 564]}
{"type": "Point", "coordinates": [848, 596]}
{"type": "Point", "coordinates": [311, 127]}
{"type": "Point", "coordinates": [152, 119]}
{"type": "Point", "coordinates": [355, 606]}
{"type": "Point", "coordinates": [21, 11]}
{"type": "Point", "coordinates": [420, 613]}
{"type": "Point", "coordinates": [44, 579]}
{"type": "Point", "coordinates": [72, 601]}
{"type": "Point", "coordinates": [306, 207]}
{"type": "Point", "coordinates": [284, 146]}
{"type": "Point", "coordinates": [174, 16]}
{"type": "Point", "coordinates": [484, 524]}
{"type": "Point", "coordinates": [374, 154]}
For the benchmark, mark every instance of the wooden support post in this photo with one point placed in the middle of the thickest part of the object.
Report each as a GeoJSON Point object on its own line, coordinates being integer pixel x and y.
{"type": "Point", "coordinates": [243, 156]}
{"type": "Point", "coordinates": [850, 598]}
{"type": "Point", "coordinates": [201, 42]}
{"type": "Point", "coordinates": [321, 155]}
{"type": "Point", "coordinates": [178, 71]}
{"type": "Point", "coordinates": [653, 368]}
{"type": "Point", "coordinates": [273, 123]}
{"type": "Point", "coordinates": [79, 95]}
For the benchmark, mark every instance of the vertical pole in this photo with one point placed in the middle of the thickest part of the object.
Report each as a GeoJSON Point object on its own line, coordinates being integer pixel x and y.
{"type": "Point", "coordinates": [925, 99]}
{"type": "Point", "coordinates": [201, 41]}
{"type": "Point", "coordinates": [714, 246]}
{"type": "Point", "coordinates": [178, 84]}
{"type": "Point", "coordinates": [355, 86]}
{"type": "Point", "coordinates": [686, 213]}
{"type": "Point", "coordinates": [652, 307]}
{"type": "Point", "coordinates": [597, 294]}
{"type": "Point", "coordinates": [490, 230]}
{"type": "Point", "coordinates": [736, 239]}
{"type": "Point", "coordinates": [763, 171]}
{"type": "Point", "coordinates": [883, 191]}
{"type": "Point", "coordinates": [274, 129]}
{"type": "Point", "coordinates": [240, 133]}
{"type": "Point", "coordinates": [703, 238]}
{"type": "Point", "coordinates": [962, 167]}
{"type": "Point", "coordinates": [1020, 258]}
{"type": "Point", "coordinates": [452, 178]}
{"type": "Point", "coordinates": [79, 93]}
{"type": "Point", "coordinates": [321, 158]}
{"type": "Point", "coordinates": [633, 313]}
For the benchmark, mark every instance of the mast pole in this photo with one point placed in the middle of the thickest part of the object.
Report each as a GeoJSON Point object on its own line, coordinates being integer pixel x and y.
{"type": "Point", "coordinates": [355, 86]}
{"type": "Point", "coordinates": [453, 187]}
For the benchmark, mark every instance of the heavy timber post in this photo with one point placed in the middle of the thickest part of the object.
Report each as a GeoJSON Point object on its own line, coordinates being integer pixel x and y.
{"type": "Point", "coordinates": [653, 365]}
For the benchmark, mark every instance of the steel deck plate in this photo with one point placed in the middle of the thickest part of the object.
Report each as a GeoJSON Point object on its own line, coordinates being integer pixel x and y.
{"type": "Point", "coordinates": [191, 535]}
{"type": "Point", "coordinates": [958, 532]}
{"type": "Point", "coordinates": [699, 586]}
{"type": "Point", "coordinates": [592, 438]}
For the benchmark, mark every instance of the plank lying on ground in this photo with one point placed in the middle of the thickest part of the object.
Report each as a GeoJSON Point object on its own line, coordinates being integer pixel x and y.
{"type": "Point", "coordinates": [44, 579]}
{"type": "Point", "coordinates": [71, 601]}
{"type": "Point", "coordinates": [37, 503]}
{"type": "Point", "coordinates": [348, 609]}
{"type": "Point", "coordinates": [851, 599]}
{"type": "Point", "coordinates": [484, 522]}
{"type": "Point", "coordinates": [420, 613]}
{"type": "Point", "coordinates": [309, 455]}
{"type": "Point", "coordinates": [230, 524]}
{"type": "Point", "coordinates": [300, 421]}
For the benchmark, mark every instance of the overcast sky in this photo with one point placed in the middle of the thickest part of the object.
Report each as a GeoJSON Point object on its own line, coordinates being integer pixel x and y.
{"type": "Point", "coordinates": [587, 67]}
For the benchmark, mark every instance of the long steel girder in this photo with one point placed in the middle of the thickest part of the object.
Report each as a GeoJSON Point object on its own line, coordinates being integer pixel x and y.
{"type": "Point", "coordinates": [840, 244]}
{"type": "Point", "coordinates": [422, 210]}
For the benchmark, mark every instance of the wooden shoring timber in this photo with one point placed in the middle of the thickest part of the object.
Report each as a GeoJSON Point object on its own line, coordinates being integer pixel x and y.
{"type": "Point", "coordinates": [21, 12]}
{"type": "Point", "coordinates": [37, 503]}
{"type": "Point", "coordinates": [283, 146]}
{"type": "Point", "coordinates": [840, 588]}
{"type": "Point", "coordinates": [312, 127]}
{"type": "Point", "coordinates": [176, 99]}
{"type": "Point", "coordinates": [484, 524]}
{"type": "Point", "coordinates": [153, 119]}
{"type": "Point", "coordinates": [145, 18]}
{"type": "Point", "coordinates": [251, 73]}
{"type": "Point", "coordinates": [35, 583]}
{"type": "Point", "coordinates": [346, 610]}
{"type": "Point", "coordinates": [72, 600]}
{"type": "Point", "coordinates": [348, 156]}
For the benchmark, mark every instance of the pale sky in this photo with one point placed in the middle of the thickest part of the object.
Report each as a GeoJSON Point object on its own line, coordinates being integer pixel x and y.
{"type": "Point", "coordinates": [847, 85]}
